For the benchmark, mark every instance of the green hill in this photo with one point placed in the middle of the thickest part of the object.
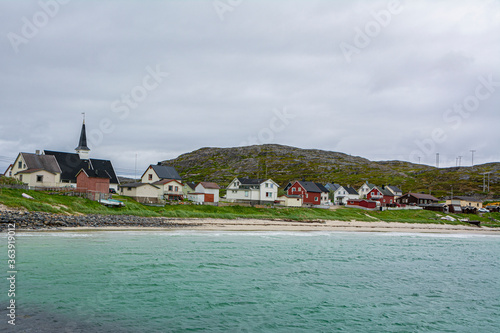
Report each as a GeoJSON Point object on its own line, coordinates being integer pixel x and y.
{"type": "Point", "coordinates": [283, 164]}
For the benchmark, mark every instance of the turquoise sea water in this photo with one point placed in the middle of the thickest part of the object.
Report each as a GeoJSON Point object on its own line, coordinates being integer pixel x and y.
{"type": "Point", "coordinates": [187, 281]}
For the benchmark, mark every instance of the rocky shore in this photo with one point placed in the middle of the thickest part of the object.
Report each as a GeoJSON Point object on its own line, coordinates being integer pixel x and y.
{"type": "Point", "coordinates": [39, 220]}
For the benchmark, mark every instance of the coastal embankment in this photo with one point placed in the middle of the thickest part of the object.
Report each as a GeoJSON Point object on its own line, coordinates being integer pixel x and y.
{"type": "Point", "coordinates": [39, 221]}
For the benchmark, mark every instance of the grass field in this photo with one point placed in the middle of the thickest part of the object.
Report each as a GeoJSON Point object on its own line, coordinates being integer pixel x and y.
{"type": "Point", "coordinates": [56, 203]}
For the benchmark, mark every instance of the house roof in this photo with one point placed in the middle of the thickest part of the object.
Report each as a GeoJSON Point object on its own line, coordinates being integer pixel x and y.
{"type": "Point", "coordinates": [423, 196]}
{"type": "Point", "coordinates": [250, 181]}
{"type": "Point", "coordinates": [71, 164]}
{"type": "Point", "coordinates": [138, 185]}
{"type": "Point", "coordinates": [312, 187]}
{"type": "Point", "coordinates": [165, 172]}
{"type": "Point", "coordinates": [351, 190]}
{"type": "Point", "coordinates": [95, 173]}
{"type": "Point", "coordinates": [34, 170]}
{"type": "Point", "coordinates": [7, 170]}
{"type": "Point", "coordinates": [192, 185]}
{"type": "Point", "coordinates": [384, 190]}
{"type": "Point", "coordinates": [332, 186]}
{"type": "Point", "coordinates": [472, 199]}
{"type": "Point", "coordinates": [166, 181]}
{"type": "Point", "coordinates": [209, 185]}
{"type": "Point", "coordinates": [394, 188]}
{"type": "Point", "coordinates": [43, 162]}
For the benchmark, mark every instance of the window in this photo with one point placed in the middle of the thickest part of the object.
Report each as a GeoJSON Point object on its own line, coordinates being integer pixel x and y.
{"type": "Point", "coordinates": [267, 184]}
{"type": "Point", "coordinates": [21, 177]}
{"type": "Point", "coordinates": [315, 198]}
{"type": "Point", "coordinates": [293, 189]}
{"type": "Point", "coordinates": [129, 188]}
{"type": "Point", "coordinates": [177, 189]}
{"type": "Point", "coordinates": [246, 194]}
{"type": "Point", "coordinates": [39, 178]}
{"type": "Point", "coordinates": [170, 187]}
{"type": "Point", "coordinates": [272, 185]}
{"type": "Point", "coordinates": [269, 194]}
{"type": "Point", "coordinates": [20, 165]}
{"type": "Point", "coordinates": [150, 177]}
{"type": "Point", "coordinates": [235, 191]}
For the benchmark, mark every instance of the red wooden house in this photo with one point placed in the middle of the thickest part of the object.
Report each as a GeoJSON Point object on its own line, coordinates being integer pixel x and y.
{"type": "Point", "coordinates": [382, 195]}
{"type": "Point", "coordinates": [94, 181]}
{"type": "Point", "coordinates": [310, 192]}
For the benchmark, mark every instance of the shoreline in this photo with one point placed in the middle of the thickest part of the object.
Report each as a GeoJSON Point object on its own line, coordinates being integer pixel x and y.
{"type": "Point", "coordinates": [273, 225]}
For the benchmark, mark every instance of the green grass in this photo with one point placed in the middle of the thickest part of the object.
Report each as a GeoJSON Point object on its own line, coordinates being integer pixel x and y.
{"type": "Point", "coordinates": [56, 203]}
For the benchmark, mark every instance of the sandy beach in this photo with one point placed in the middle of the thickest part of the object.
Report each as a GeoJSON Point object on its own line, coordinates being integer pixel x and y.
{"type": "Point", "coordinates": [269, 225]}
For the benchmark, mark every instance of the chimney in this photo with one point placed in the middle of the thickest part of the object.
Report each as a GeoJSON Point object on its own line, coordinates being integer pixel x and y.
{"type": "Point", "coordinates": [159, 163]}
{"type": "Point", "coordinates": [37, 152]}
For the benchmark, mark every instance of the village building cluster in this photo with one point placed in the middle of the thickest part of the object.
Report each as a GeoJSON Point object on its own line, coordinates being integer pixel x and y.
{"type": "Point", "coordinates": [160, 183]}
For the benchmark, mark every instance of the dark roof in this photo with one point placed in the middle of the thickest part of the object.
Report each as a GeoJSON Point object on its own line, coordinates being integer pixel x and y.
{"type": "Point", "coordinates": [351, 190]}
{"type": "Point", "coordinates": [71, 164]}
{"type": "Point", "coordinates": [249, 181]}
{"type": "Point", "coordinates": [312, 187]}
{"type": "Point", "coordinates": [385, 191]}
{"type": "Point", "coordinates": [44, 162]}
{"type": "Point", "coordinates": [394, 188]}
{"type": "Point", "coordinates": [321, 187]}
{"type": "Point", "coordinates": [332, 186]}
{"type": "Point", "coordinates": [192, 185]}
{"type": "Point", "coordinates": [423, 196]}
{"type": "Point", "coordinates": [95, 173]}
{"type": "Point", "coordinates": [166, 172]}
{"type": "Point", "coordinates": [137, 185]}
{"type": "Point", "coordinates": [82, 144]}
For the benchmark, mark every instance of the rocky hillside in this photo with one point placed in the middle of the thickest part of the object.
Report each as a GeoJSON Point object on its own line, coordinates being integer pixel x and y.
{"type": "Point", "coordinates": [283, 163]}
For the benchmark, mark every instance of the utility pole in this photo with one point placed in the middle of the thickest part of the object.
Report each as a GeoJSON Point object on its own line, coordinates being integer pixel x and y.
{"type": "Point", "coordinates": [437, 160]}
{"type": "Point", "coordinates": [419, 160]}
{"type": "Point", "coordinates": [135, 169]}
{"type": "Point", "coordinates": [472, 151]}
{"type": "Point", "coordinates": [459, 161]}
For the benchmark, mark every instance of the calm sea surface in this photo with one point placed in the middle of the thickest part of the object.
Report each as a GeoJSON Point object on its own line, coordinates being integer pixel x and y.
{"type": "Point", "coordinates": [184, 281]}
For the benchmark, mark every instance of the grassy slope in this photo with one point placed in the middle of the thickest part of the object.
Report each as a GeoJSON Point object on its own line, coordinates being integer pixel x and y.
{"type": "Point", "coordinates": [45, 202]}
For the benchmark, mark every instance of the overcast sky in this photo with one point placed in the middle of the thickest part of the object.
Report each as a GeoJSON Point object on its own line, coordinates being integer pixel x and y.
{"type": "Point", "coordinates": [379, 79]}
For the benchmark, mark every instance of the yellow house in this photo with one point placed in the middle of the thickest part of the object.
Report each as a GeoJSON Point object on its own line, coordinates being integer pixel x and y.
{"type": "Point", "coordinates": [141, 192]}
{"type": "Point", "coordinates": [36, 170]}
{"type": "Point", "coordinates": [465, 202]}
{"type": "Point", "coordinates": [170, 189]}
{"type": "Point", "coordinates": [155, 173]}
{"type": "Point", "coordinates": [290, 200]}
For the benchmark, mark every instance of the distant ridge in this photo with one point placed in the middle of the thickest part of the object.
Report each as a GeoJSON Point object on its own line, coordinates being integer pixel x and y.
{"type": "Point", "coordinates": [284, 163]}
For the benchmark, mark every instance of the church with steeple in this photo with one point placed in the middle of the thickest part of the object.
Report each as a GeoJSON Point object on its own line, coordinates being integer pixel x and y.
{"type": "Point", "coordinates": [73, 164]}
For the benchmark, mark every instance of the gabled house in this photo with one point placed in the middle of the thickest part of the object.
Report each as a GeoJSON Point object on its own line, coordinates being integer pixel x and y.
{"type": "Point", "coordinates": [205, 192]}
{"type": "Point", "coordinates": [311, 193]}
{"type": "Point", "coordinates": [343, 194]}
{"type": "Point", "coordinates": [93, 181]}
{"type": "Point", "coordinates": [159, 172]}
{"type": "Point", "coordinates": [290, 200]}
{"type": "Point", "coordinates": [382, 195]}
{"type": "Point", "coordinates": [417, 199]}
{"type": "Point", "coordinates": [395, 190]}
{"type": "Point", "coordinates": [332, 187]}
{"type": "Point", "coordinates": [260, 191]}
{"type": "Point", "coordinates": [37, 170]}
{"type": "Point", "coordinates": [141, 192]}
{"type": "Point", "coordinates": [170, 189]}
{"type": "Point", "coordinates": [189, 187]}
{"type": "Point", "coordinates": [465, 202]}
{"type": "Point", "coordinates": [364, 189]}
{"type": "Point", "coordinates": [8, 172]}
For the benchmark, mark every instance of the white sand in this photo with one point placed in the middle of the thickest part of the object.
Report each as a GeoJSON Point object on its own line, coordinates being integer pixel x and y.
{"type": "Point", "coordinates": [268, 225]}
